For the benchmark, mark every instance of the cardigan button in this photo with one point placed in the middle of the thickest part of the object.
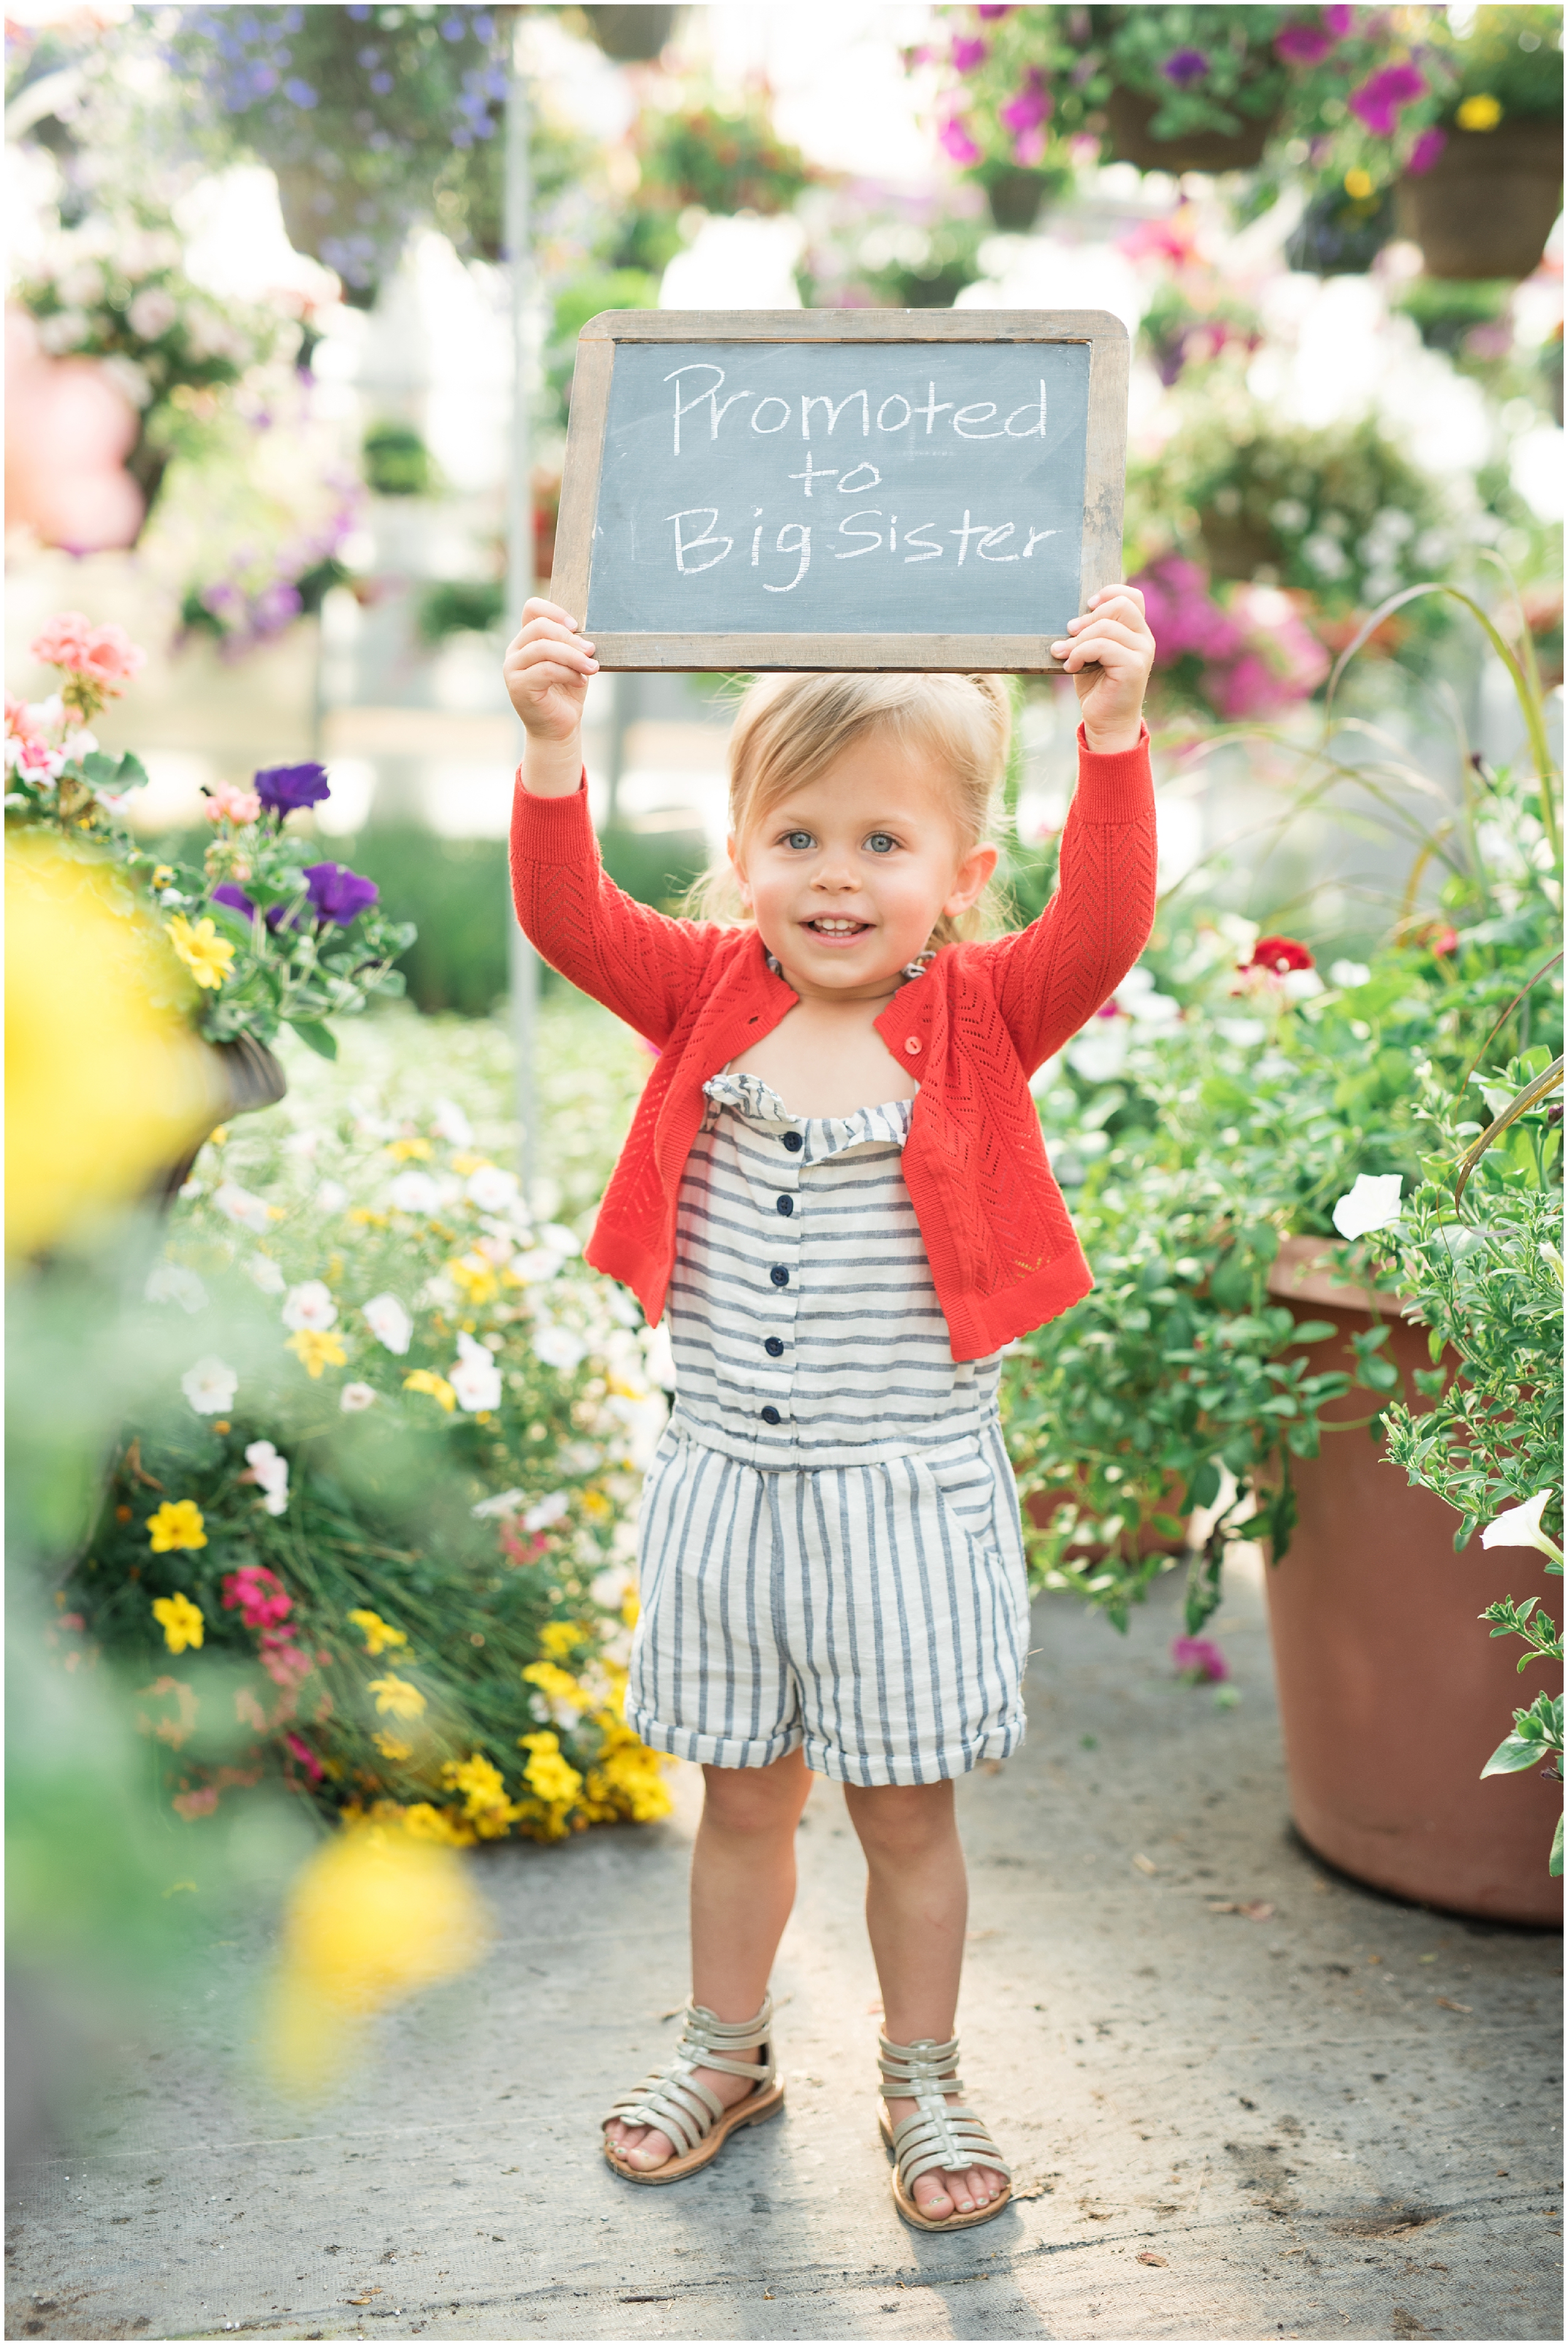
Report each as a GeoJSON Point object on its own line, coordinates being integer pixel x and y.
{"type": "Point", "coordinates": [913, 1045]}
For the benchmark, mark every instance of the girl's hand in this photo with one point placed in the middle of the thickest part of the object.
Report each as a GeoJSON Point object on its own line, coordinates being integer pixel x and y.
{"type": "Point", "coordinates": [1110, 655]}
{"type": "Point", "coordinates": [547, 667]}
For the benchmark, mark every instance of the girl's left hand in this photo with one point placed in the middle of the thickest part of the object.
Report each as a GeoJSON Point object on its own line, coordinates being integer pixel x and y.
{"type": "Point", "coordinates": [1109, 655]}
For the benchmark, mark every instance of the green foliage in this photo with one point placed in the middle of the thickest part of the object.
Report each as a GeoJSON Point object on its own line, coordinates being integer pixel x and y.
{"type": "Point", "coordinates": [397, 463]}
{"type": "Point", "coordinates": [451, 606]}
{"type": "Point", "coordinates": [1513, 54]}
{"type": "Point", "coordinates": [719, 153]}
{"type": "Point", "coordinates": [580, 298]}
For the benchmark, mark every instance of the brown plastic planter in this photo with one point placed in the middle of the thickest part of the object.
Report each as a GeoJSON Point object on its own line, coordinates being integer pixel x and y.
{"type": "Point", "coordinates": [1487, 205]}
{"type": "Point", "coordinates": [1129, 115]}
{"type": "Point", "coordinates": [1393, 1694]}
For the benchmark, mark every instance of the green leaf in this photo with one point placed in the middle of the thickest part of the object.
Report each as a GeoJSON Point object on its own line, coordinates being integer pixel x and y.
{"type": "Point", "coordinates": [133, 774]}
{"type": "Point", "coordinates": [1514, 1753]}
{"type": "Point", "coordinates": [316, 1037]}
{"type": "Point", "coordinates": [100, 771]}
{"type": "Point", "coordinates": [1555, 1866]}
{"type": "Point", "coordinates": [1204, 1487]}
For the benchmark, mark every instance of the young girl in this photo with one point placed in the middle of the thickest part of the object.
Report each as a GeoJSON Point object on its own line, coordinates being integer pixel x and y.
{"type": "Point", "coordinates": [835, 1184]}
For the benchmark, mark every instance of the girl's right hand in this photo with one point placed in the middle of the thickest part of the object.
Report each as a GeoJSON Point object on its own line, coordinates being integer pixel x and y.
{"type": "Point", "coordinates": [547, 667]}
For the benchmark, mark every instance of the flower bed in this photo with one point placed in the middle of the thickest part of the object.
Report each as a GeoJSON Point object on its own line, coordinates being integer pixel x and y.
{"type": "Point", "coordinates": [393, 1494]}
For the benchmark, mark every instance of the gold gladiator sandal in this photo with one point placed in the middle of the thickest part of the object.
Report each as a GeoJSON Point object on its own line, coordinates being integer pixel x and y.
{"type": "Point", "coordinates": [692, 2115]}
{"type": "Point", "coordinates": [936, 2137]}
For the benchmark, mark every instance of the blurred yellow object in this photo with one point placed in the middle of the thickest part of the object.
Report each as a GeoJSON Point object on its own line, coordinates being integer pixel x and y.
{"type": "Point", "coordinates": [375, 1917]}
{"type": "Point", "coordinates": [1358, 185]}
{"type": "Point", "coordinates": [1482, 113]}
{"type": "Point", "coordinates": [178, 1523]}
{"type": "Point", "coordinates": [104, 1079]}
{"type": "Point", "coordinates": [182, 1621]}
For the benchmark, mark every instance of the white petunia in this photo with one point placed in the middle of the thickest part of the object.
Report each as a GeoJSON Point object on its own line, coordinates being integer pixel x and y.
{"type": "Point", "coordinates": [210, 1386]}
{"type": "Point", "coordinates": [493, 1190]}
{"type": "Point", "coordinates": [1521, 1527]}
{"type": "Point", "coordinates": [450, 1123]}
{"type": "Point", "coordinates": [505, 1502]}
{"type": "Point", "coordinates": [266, 1273]}
{"type": "Point", "coordinates": [1348, 973]}
{"type": "Point", "coordinates": [151, 313]}
{"type": "Point", "coordinates": [271, 1474]}
{"type": "Point", "coordinates": [331, 1197]}
{"type": "Point", "coordinates": [171, 1282]}
{"type": "Point", "coordinates": [564, 1241]}
{"type": "Point", "coordinates": [1242, 1033]}
{"type": "Point", "coordinates": [63, 330]}
{"type": "Point", "coordinates": [310, 1305]}
{"type": "Point", "coordinates": [1301, 984]}
{"type": "Point", "coordinates": [475, 1377]}
{"type": "Point", "coordinates": [1372, 1205]}
{"type": "Point", "coordinates": [250, 1211]}
{"type": "Point", "coordinates": [1100, 1051]}
{"type": "Point", "coordinates": [537, 1266]}
{"type": "Point", "coordinates": [356, 1397]}
{"type": "Point", "coordinates": [389, 1322]}
{"type": "Point", "coordinates": [546, 1511]}
{"type": "Point", "coordinates": [415, 1193]}
{"type": "Point", "coordinates": [558, 1348]}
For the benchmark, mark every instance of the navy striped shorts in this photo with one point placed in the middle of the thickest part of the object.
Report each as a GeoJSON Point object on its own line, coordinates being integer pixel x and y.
{"type": "Point", "coordinates": [874, 1616]}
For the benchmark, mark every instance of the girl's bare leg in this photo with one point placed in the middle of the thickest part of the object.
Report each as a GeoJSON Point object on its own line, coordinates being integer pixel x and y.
{"type": "Point", "coordinates": [742, 1887]}
{"type": "Point", "coordinates": [916, 1905]}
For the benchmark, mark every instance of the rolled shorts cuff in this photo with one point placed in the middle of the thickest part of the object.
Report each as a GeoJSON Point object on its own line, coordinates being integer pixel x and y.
{"type": "Point", "coordinates": [712, 1750]}
{"type": "Point", "coordinates": [875, 1771]}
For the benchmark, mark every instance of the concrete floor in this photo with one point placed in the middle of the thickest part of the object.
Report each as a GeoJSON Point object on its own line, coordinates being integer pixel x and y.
{"type": "Point", "coordinates": [1337, 2120]}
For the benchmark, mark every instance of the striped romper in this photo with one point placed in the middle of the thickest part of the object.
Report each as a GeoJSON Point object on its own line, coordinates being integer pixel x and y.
{"type": "Point", "coordinates": [830, 1552]}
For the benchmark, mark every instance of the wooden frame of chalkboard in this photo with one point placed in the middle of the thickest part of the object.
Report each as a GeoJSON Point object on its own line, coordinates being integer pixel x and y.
{"type": "Point", "coordinates": [1100, 337]}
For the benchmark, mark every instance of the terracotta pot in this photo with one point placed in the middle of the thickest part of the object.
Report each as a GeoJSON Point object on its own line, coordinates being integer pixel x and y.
{"type": "Point", "coordinates": [1487, 205]}
{"type": "Point", "coordinates": [1392, 1693]}
{"type": "Point", "coordinates": [1196, 150]}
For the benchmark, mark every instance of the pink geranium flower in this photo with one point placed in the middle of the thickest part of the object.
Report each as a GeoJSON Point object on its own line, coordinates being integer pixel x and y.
{"type": "Point", "coordinates": [225, 802]}
{"type": "Point", "coordinates": [956, 142]}
{"type": "Point", "coordinates": [1426, 150]}
{"type": "Point", "coordinates": [967, 52]}
{"type": "Point", "coordinates": [105, 656]}
{"type": "Point", "coordinates": [1200, 1659]}
{"type": "Point", "coordinates": [301, 1749]}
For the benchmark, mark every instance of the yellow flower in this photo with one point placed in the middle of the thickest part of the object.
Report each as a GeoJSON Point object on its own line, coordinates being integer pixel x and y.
{"type": "Point", "coordinates": [379, 1633]}
{"type": "Point", "coordinates": [372, 1918]}
{"type": "Point", "coordinates": [217, 1136]}
{"type": "Point", "coordinates": [559, 1638]}
{"type": "Point", "coordinates": [595, 1505]}
{"type": "Point", "coordinates": [178, 1523]}
{"type": "Point", "coordinates": [485, 1803]}
{"type": "Point", "coordinates": [368, 1218]}
{"type": "Point", "coordinates": [163, 874]}
{"type": "Point", "coordinates": [316, 1348]}
{"type": "Point", "coordinates": [397, 1696]}
{"type": "Point", "coordinates": [442, 1825]}
{"type": "Point", "coordinates": [548, 1774]}
{"type": "Point", "coordinates": [1358, 184]}
{"type": "Point", "coordinates": [476, 1278]}
{"type": "Point", "coordinates": [423, 1380]}
{"type": "Point", "coordinates": [404, 1149]}
{"type": "Point", "coordinates": [1482, 113]}
{"type": "Point", "coordinates": [390, 1747]}
{"type": "Point", "coordinates": [180, 1621]}
{"type": "Point", "coordinates": [208, 957]}
{"type": "Point", "coordinates": [467, 1162]}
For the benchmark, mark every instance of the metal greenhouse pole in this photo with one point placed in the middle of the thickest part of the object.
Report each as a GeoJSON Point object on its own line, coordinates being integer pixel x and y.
{"type": "Point", "coordinates": [524, 960]}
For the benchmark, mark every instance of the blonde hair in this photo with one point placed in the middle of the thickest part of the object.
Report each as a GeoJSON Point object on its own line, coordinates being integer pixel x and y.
{"type": "Point", "coordinates": [788, 729]}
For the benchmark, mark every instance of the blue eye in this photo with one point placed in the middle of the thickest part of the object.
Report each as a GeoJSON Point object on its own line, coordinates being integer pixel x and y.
{"type": "Point", "coordinates": [881, 842]}
{"type": "Point", "coordinates": [799, 839]}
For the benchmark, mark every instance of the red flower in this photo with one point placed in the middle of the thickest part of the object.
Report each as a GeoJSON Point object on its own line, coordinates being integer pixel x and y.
{"type": "Point", "coordinates": [1279, 955]}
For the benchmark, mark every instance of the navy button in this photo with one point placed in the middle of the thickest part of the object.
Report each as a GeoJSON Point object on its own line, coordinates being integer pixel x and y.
{"type": "Point", "coordinates": [774, 1347]}
{"type": "Point", "coordinates": [794, 1142]}
{"type": "Point", "coordinates": [779, 1275]}
{"type": "Point", "coordinates": [784, 1205]}
{"type": "Point", "coordinates": [769, 1414]}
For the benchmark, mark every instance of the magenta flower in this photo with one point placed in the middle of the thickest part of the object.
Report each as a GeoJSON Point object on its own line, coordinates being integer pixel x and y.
{"type": "Point", "coordinates": [1339, 21]}
{"type": "Point", "coordinates": [283, 789]}
{"type": "Point", "coordinates": [1426, 150]}
{"type": "Point", "coordinates": [986, 13]}
{"type": "Point", "coordinates": [1302, 44]}
{"type": "Point", "coordinates": [1200, 1659]}
{"type": "Point", "coordinates": [1378, 99]}
{"type": "Point", "coordinates": [956, 142]}
{"type": "Point", "coordinates": [1028, 108]}
{"type": "Point", "coordinates": [967, 52]}
{"type": "Point", "coordinates": [337, 894]}
{"type": "Point", "coordinates": [1184, 67]}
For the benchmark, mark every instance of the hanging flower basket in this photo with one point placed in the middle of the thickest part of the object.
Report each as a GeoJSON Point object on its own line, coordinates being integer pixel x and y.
{"type": "Point", "coordinates": [632, 36]}
{"type": "Point", "coordinates": [1129, 116]}
{"type": "Point", "coordinates": [1486, 206]}
{"type": "Point", "coordinates": [1016, 195]}
{"type": "Point", "coordinates": [246, 1077]}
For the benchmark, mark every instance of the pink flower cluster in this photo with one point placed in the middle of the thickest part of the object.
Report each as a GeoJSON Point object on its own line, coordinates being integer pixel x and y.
{"type": "Point", "coordinates": [1200, 1659]}
{"type": "Point", "coordinates": [1378, 101]}
{"type": "Point", "coordinates": [1302, 43]}
{"type": "Point", "coordinates": [29, 752]}
{"type": "Point", "coordinates": [104, 657]}
{"type": "Point", "coordinates": [1257, 657]}
{"type": "Point", "coordinates": [227, 802]}
{"type": "Point", "coordinates": [260, 1595]}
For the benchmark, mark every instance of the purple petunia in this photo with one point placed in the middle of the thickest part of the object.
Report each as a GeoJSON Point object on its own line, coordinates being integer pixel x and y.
{"type": "Point", "coordinates": [236, 899]}
{"type": "Point", "coordinates": [1378, 99]}
{"type": "Point", "coordinates": [284, 788]}
{"type": "Point", "coordinates": [1184, 66]}
{"type": "Point", "coordinates": [1029, 107]}
{"type": "Point", "coordinates": [1426, 150]}
{"type": "Point", "coordinates": [338, 893]}
{"type": "Point", "coordinates": [1302, 44]}
{"type": "Point", "coordinates": [1199, 1659]}
{"type": "Point", "coordinates": [967, 52]}
{"type": "Point", "coordinates": [956, 142]}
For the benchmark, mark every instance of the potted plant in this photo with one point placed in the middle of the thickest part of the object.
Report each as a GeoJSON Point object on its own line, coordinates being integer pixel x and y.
{"type": "Point", "coordinates": [268, 936]}
{"type": "Point", "coordinates": [1487, 185]}
{"type": "Point", "coordinates": [1206, 1126]}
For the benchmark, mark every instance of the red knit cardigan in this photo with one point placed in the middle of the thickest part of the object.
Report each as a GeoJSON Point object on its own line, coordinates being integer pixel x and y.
{"type": "Point", "coordinates": [972, 1029]}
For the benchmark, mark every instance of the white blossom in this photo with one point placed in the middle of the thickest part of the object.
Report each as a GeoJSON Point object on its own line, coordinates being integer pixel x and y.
{"type": "Point", "coordinates": [310, 1305]}
{"type": "Point", "coordinates": [558, 1348]}
{"type": "Point", "coordinates": [331, 1197]}
{"type": "Point", "coordinates": [415, 1193]}
{"type": "Point", "coordinates": [564, 1241]}
{"type": "Point", "coordinates": [1372, 1205]}
{"type": "Point", "coordinates": [251, 1211]}
{"type": "Point", "coordinates": [474, 1376]}
{"type": "Point", "coordinates": [210, 1386]}
{"type": "Point", "coordinates": [1521, 1527]}
{"type": "Point", "coordinates": [493, 1190]}
{"type": "Point", "coordinates": [356, 1397]}
{"type": "Point", "coordinates": [132, 381]}
{"type": "Point", "coordinates": [171, 1282]}
{"type": "Point", "coordinates": [389, 1322]}
{"type": "Point", "coordinates": [450, 1123]}
{"type": "Point", "coordinates": [270, 1473]}
{"type": "Point", "coordinates": [546, 1511]}
{"type": "Point", "coordinates": [504, 1502]}
{"type": "Point", "coordinates": [1348, 973]}
{"type": "Point", "coordinates": [153, 312]}
{"type": "Point", "coordinates": [537, 1266]}
{"type": "Point", "coordinates": [66, 330]}
{"type": "Point", "coordinates": [266, 1273]}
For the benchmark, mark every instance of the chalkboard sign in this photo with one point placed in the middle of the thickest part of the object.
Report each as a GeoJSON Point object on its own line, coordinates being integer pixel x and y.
{"type": "Point", "coordinates": [841, 488]}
